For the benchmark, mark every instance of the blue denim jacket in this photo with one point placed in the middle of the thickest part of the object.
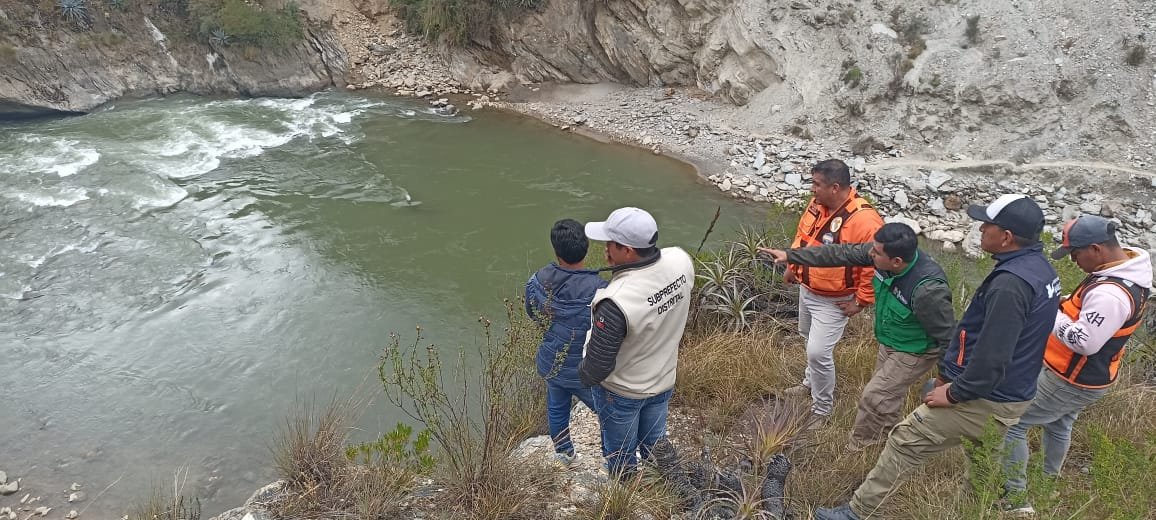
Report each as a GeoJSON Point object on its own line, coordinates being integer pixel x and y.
{"type": "Point", "coordinates": [560, 299]}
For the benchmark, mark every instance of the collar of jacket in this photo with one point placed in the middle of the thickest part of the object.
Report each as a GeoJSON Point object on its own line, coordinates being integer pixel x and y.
{"type": "Point", "coordinates": [1003, 257]}
{"type": "Point", "coordinates": [633, 265]}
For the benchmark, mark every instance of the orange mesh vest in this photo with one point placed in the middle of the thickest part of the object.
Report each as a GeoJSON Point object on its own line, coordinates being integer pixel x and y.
{"type": "Point", "coordinates": [816, 229]}
{"type": "Point", "coordinates": [1100, 369]}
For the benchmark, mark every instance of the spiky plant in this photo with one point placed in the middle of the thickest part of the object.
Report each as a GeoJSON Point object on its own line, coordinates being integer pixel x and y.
{"type": "Point", "coordinates": [719, 272]}
{"type": "Point", "coordinates": [74, 10]}
{"type": "Point", "coordinates": [119, 5]}
{"type": "Point", "coordinates": [218, 37]}
{"type": "Point", "coordinates": [733, 305]}
{"type": "Point", "coordinates": [773, 428]}
{"type": "Point", "coordinates": [749, 241]}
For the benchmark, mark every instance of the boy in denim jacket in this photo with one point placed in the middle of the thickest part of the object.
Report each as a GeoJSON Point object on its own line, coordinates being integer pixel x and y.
{"type": "Point", "coordinates": [558, 297]}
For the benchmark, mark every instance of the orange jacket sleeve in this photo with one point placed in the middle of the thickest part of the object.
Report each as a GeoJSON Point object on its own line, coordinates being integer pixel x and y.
{"type": "Point", "coordinates": [864, 224]}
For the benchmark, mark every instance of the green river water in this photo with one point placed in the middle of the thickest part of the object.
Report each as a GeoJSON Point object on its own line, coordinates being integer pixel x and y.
{"type": "Point", "coordinates": [176, 274]}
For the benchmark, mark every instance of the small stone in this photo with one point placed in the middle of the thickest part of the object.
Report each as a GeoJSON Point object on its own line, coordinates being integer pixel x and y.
{"type": "Point", "coordinates": [937, 179]}
{"type": "Point", "coordinates": [579, 120]}
{"type": "Point", "coordinates": [1111, 208]}
{"type": "Point", "coordinates": [884, 30]}
{"type": "Point", "coordinates": [12, 487]}
{"type": "Point", "coordinates": [1090, 207]}
{"type": "Point", "coordinates": [760, 159]}
{"type": "Point", "coordinates": [859, 164]}
{"type": "Point", "coordinates": [794, 180]}
{"type": "Point", "coordinates": [953, 202]}
{"type": "Point", "coordinates": [954, 235]}
{"type": "Point", "coordinates": [76, 497]}
{"type": "Point", "coordinates": [937, 208]}
{"type": "Point", "coordinates": [42, 511]}
{"type": "Point", "coordinates": [71, 514]}
{"type": "Point", "coordinates": [901, 199]}
{"type": "Point", "coordinates": [765, 171]}
{"type": "Point", "coordinates": [725, 186]}
{"type": "Point", "coordinates": [914, 225]}
{"type": "Point", "coordinates": [915, 184]}
{"type": "Point", "coordinates": [786, 167]}
{"type": "Point", "coordinates": [949, 246]}
{"type": "Point", "coordinates": [3, 478]}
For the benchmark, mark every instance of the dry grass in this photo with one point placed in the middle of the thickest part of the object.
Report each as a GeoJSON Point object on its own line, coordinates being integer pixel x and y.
{"type": "Point", "coordinates": [643, 496]}
{"type": "Point", "coordinates": [168, 504]}
{"type": "Point", "coordinates": [310, 455]}
{"type": "Point", "coordinates": [723, 377]}
{"type": "Point", "coordinates": [732, 370]}
{"type": "Point", "coordinates": [510, 489]}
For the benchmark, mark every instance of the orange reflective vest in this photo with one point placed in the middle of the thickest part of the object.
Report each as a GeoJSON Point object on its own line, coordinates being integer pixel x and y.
{"type": "Point", "coordinates": [855, 222]}
{"type": "Point", "coordinates": [1100, 369]}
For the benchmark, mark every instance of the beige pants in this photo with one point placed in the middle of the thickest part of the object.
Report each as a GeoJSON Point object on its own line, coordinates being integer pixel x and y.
{"type": "Point", "coordinates": [925, 432]}
{"type": "Point", "coordinates": [882, 401]}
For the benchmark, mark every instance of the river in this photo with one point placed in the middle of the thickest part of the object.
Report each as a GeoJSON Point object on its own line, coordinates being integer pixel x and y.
{"type": "Point", "coordinates": [177, 274]}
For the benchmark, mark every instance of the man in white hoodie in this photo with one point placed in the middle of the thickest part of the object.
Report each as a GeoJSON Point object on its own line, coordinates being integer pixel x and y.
{"type": "Point", "coordinates": [1083, 355]}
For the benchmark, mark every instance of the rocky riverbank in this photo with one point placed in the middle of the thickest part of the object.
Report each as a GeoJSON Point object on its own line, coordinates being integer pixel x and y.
{"type": "Point", "coordinates": [51, 65]}
{"type": "Point", "coordinates": [912, 179]}
{"type": "Point", "coordinates": [31, 504]}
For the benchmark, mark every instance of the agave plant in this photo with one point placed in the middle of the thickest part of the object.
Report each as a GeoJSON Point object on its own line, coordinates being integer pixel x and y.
{"type": "Point", "coordinates": [119, 5]}
{"type": "Point", "coordinates": [719, 272]}
{"type": "Point", "coordinates": [733, 305]}
{"type": "Point", "coordinates": [218, 37]}
{"type": "Point", "coordinates": [749, 242]}
{"type": "Point", "coordinates": [75, 10]}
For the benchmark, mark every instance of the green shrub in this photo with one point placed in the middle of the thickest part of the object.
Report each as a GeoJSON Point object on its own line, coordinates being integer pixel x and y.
{"type": "Point", "coordinates": [457, 20]}
{"type": "Point", "coordinates": [972, 31]}
{"type": "Point", "coordinates": [1136, 55]}
{"type": "Point", "coordinates": [246, 23]}
{"type": "Point", "coordinates": [853, 77]}
{"type": "Point", "coordinates": [394, 448]}
{"type": "Point", "coordinates": [1122, 477]}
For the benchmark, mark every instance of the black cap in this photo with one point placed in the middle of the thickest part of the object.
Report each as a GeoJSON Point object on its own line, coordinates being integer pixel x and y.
{"type": "Point", "coordinates": [1015, 212]}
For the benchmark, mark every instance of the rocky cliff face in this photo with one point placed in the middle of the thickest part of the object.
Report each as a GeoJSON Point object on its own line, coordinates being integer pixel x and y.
{"type": "Point", "coordinates": [1017, 80]}
{"type": "Point", "coordinates": [50, 65]}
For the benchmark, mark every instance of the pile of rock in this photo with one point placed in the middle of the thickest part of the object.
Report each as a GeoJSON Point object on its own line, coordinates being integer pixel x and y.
{"type": "Point", "coordinates": [933, 200]}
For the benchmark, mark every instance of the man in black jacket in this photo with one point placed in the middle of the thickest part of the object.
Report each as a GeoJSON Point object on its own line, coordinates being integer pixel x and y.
{"type": "Point", "coordinates": [990, 368]}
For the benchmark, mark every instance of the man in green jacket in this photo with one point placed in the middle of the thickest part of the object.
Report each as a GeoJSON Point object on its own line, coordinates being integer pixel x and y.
{"type": "Point", "coordinates": [913, 319]}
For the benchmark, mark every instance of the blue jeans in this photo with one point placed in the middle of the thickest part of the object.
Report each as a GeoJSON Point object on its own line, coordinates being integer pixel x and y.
{"type": "Point", "coordinates": [1056, 407]}
{"type": "Point", "coordinates": [559, 398]}
{"type": "Point", "coordinates": [628, 425]}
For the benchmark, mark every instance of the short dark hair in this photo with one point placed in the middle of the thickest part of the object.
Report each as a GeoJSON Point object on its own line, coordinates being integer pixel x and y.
{"type": "Point", "coordinates": [568, 237]}
{"type": "Point", "coordinates": [833, 171]}
{"type": "Point", "coordinates": [1112, 241]}
{"type": "Point", "coordinates": [898, 240]}
{"type": "Point", "coordinates": [1022, 242]}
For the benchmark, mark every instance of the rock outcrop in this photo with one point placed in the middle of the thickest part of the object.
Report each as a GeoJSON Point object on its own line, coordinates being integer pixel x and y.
{"type": "Point", "coordinates": [53, 66]}
{"type": "Point", "coordinates": [995, 80]}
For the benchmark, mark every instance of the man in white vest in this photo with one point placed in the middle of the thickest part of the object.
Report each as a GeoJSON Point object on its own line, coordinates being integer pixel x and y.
{"type": "Point", "coordinates": [637, 322]}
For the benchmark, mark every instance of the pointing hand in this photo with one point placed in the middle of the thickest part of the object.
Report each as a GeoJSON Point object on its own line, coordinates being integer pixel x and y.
{"type": "Point", "coordinates": [779, 255]}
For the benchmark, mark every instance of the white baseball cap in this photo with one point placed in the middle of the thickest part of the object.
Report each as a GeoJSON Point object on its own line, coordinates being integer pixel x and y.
{"type": "Point", "coordinates": [627, 226]}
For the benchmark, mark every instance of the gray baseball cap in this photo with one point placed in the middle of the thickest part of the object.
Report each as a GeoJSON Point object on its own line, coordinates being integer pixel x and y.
{"type": "Point", "coordinates": [627, 226]}
{"type": "Point", "coordinates": [1084, 231]}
